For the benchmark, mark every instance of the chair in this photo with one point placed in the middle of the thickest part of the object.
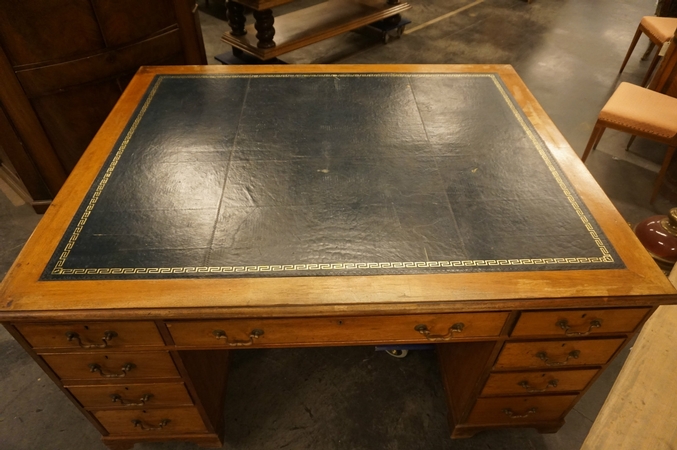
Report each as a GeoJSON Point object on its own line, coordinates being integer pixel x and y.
{"type": "Point", "coordinates": [644, 112]}
{"type": "Point", "coordinates": [659, 30]}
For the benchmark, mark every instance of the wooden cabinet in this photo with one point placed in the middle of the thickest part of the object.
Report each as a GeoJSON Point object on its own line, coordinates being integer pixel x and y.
{"type": "Point", "coordinates": [63, 66]}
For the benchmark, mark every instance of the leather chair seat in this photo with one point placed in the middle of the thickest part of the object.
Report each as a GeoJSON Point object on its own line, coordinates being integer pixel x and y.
{"type": "Point", "coordinates": [641, 109]}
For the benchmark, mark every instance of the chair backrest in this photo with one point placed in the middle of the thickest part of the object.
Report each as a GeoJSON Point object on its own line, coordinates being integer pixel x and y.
{"type": "Point", "coordinates": [665, 80]}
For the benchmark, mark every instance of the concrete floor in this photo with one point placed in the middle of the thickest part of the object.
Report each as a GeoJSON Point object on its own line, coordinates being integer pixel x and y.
{"type": "Point", "coordinates": [568, 53]}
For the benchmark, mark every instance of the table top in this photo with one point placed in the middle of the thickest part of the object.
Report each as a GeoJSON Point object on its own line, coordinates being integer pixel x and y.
{"type": "Point", "coordinates": [319, 189]}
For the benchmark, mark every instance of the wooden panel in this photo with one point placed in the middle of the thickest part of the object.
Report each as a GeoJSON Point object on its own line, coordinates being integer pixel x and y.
{"type": "Point", "coordinates": [557, 353]}
{"type": "Point", "coordinates": [21, 164]}
{"type": "Point", "coordinates": [132, 395]}
{"type": "Point", "coordinates": [461, 386]}
{"type": "Point", "coordinates": [578, 322]}
{"type": "Point", "coordinates": [316, 331]}
{"type": "Point", "coordinates": [54, 335]}
{"type": "Point", "coordinates": [72, 118]}
{"type": "Point", "coordinates": [519, 410]}
{"type": "Point", "coordinates": [48, 30]}
{"type": "Point", "coordinates": [105, 65]}
{"type": "Point", "coordinates": [180, 420]}
{"type": "Point", "coordinates": [76, 366]}
{"type": "Point", "coordinates": [125, 21]}
{"type": "Point", "coordinates": [315, 23]}
{"type": "Point", "coordinates": [520, 383]}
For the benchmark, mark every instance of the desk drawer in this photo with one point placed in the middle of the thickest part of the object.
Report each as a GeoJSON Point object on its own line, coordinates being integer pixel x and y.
{"type": "Point", "coordinates": [336, 330]}
{"type": "Point", "coordinates": [554, 354]}
{"type": "Point", "coordinates": [111, 366]}
{"type": "Point", "coordinates": [509, 410]}
{"type": "Point", "coordinates": [516, 383]}
{"type": "Point", "coordinates": [583, 322]}
{"type": "Point", "coordinates": [91, 335]}
{"type": "Point", "coordinates": [166, 421]}
{"type": "Point", "coordinates": [132, 395]}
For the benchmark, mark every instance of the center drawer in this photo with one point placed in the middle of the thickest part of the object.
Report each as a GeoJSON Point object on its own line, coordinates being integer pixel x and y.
{"type": "Point", "coordinates": [336, 330]}
{"type": "Point", "coordinates": [111, 365]}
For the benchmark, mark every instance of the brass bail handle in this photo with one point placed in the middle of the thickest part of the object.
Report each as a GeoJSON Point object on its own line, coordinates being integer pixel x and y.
{"type": "Point", "coordinates": [142, 401]}
{"type": "Point", "coordinates": [564, 324]}
{"type": "Point", "coordinates": [525, 384]}
{"type": "Point", "coordinates": [543, 356]}
{"type": "Point", "coordinates": [455, 328]}
{"type": "Point", "coordinates": [163, 423]}
{"type": "Point", "coordinates": [255, 334]}
{"type": "Point", "coordinates": [94, 367]}
{"type": "Point", "coordinates": [510, 413]}
{"type": "Point", "coordinates": [107, 336]}
{"type": "Point", "coordinates": [670, 222]}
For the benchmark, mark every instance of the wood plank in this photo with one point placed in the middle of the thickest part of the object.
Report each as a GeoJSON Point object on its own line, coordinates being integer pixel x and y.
{"type": "Point", "coordinates": [640, 411]}
{"type": "Point", "coordinates": [314, 24]}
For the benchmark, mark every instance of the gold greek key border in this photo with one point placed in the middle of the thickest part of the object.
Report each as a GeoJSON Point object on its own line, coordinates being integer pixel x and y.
{"type": "Point", "coordinates": [59, 270]}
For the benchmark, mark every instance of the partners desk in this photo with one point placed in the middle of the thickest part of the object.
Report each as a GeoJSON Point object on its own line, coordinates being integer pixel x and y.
{"type": "Point", "coordinates": [224, 208]}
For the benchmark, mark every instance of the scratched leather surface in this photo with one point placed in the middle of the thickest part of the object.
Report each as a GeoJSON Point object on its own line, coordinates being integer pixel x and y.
{"type": "Point", "coordinates": [328, 175]}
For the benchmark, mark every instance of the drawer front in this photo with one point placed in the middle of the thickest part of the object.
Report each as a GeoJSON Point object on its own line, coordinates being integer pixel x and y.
{"type": "Point", "coordinates": [510, 410]}
{"type": "Point", "coordinates": [91, 335]}
{"type": "Point", "coordinates": [573, 323]}
{"type": "Point", "coordinates": [132, 395]}
{"type": "Point", "coordinates": [516, 383]}
{"type": "Point", "coordinates": [555, 354]}
{"type": "Point", "coordinates": [316, 331]}
{"type": "Point", "coordinates": [165, 421]}
{"type": "Point", "coordinates": [111, 366]}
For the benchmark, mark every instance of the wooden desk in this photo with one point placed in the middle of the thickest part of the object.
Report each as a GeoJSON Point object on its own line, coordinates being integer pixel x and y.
{"type": "Point", "coordinates": [224, 208]}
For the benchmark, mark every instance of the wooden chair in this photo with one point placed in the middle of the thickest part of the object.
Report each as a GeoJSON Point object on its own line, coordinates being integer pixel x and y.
{"type": "Point", "coordinates": [659, 30]}
{"type": "Point", "coordinates": [644, 112]}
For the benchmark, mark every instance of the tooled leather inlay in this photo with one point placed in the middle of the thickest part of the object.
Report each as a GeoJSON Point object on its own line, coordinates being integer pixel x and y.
{"type": "Point", "coordinates": [328, 174]}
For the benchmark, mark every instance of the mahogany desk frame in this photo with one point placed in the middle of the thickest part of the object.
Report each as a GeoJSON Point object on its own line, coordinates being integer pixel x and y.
{"type": "Point", "coordinates": [512, 319]}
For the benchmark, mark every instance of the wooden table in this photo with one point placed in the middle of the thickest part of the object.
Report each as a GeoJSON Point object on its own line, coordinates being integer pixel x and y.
{"type": "Point", "coordinates": [269, 37]}
{"type": "Point", "coordinates": [223, 208]}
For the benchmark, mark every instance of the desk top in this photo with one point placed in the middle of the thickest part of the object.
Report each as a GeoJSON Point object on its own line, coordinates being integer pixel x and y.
{"type": "Point", "coordinates": [318, 188]}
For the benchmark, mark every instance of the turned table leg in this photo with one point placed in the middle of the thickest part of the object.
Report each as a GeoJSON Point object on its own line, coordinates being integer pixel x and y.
{"type": "Point", "coordinates": [264, 27]}
{"type": "Point", "coordinates": [236, 18]}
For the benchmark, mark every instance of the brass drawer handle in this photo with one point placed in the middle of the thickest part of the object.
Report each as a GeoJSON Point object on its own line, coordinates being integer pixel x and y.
{"type": "Point", "coordinates": [574, 354]}
{"type": "Point", "coordinates": [255, 334]}
{"type": "Point", "coordinates": [564, 324]}
{"type": "Point", "coordinates": [107, 336]}
{"type": "Point", "coordinates": [94, 367]}
{"type": "Point", "coordinates": [163, 423]}
{"type": "Point", "coordinates": [455, 328]}
{"type": "Point", "coordinates": [142, 401]}
{"type": "Point", "coordinates": [525, 385]}
{"type": "Point", "coordinates": [510, 413]}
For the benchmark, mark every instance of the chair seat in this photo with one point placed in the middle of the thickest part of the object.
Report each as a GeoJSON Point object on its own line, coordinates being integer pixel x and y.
{"type": "Point", "coordinates": [661, 29]}
{"type": "Point", "coordinates": [642, 109]}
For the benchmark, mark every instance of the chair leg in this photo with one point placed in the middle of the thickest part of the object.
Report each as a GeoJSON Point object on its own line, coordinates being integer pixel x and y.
{"type": "Point", "coordinates": [638, 33]}
{"type": "Point", "coordinates": [632, 139]}
{"type": "Point", "coordinates": [661, 173]}
{"type": "Point", "coordinates": [647, 53]}
{"type": "Point", "coordinates": [599, 138]}
{"type": "Point", "coordinates": [652, 66]}
{"type": "Point", "coordinates": [596, 133]}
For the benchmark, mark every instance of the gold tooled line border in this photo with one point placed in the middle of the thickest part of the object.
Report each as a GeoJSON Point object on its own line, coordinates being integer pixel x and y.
{"type": "Point", "coordinates": [605, 258]}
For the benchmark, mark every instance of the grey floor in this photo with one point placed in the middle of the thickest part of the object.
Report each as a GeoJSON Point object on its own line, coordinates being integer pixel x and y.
{"type": "Point", "coordinates": [568, 53]}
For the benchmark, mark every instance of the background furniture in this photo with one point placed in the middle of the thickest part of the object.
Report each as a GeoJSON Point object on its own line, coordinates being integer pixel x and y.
{"type": "Point", "coordinates": [644, 112]}
{"type": "Point", "coordinates": [659, 30]}
{"type": "Point", "coordinates": [63, 66]}
{"type": "Point", "coordinates": [270, 37]}
{"type": "Point", "coordinates": [142, 350]}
